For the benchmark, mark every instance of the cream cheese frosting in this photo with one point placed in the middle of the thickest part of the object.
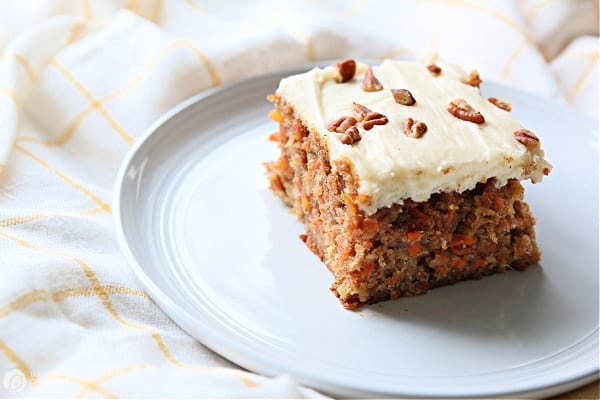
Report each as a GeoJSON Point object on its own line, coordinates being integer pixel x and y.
{"type": "Point", "coordinates": [453, 155]}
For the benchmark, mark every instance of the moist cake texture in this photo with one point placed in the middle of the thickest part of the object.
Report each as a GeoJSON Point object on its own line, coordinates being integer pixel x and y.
{"type": "Point", "coordinates": [405, 176]}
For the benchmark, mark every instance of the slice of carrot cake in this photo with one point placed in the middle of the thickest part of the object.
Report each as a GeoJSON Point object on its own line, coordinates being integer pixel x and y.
{"type": "Point", "coordinates": [405, 177]}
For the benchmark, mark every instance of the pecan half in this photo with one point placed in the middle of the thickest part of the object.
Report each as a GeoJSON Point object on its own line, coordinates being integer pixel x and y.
{"type": "Point", "coordinates": [373, 118]}
{"type": "Point", "coordinates": [350, 136]}
{"type": "Point", "coordinates": [370, 83]}
{"type": "Point", "coordinates": [527, 138]}
{"type": "Point", "coordinates": [473, 79]}
{"type": "Point", "coordinates": [346, 70]}
{"type": "Point", "coordinates": [360, 111]}
{"type": "Point", "coordinates": [434, 69]}
{"type": "Point", "coordinates": [463, 110]}
{"type": "Point", "coordinates": [504, 105]}
{"type": "Point", "coordinates": [341, 124]}
{"type": "Point", "coordinates": [414, 129]}
{"type": "Point", "coordinates": [403, 96]}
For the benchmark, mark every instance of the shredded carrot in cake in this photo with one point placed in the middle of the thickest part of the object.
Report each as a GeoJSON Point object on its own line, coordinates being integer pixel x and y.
{"type": "Point", "coordinates": [275, 116]}
{"type": "Point", "coordinates": [368, 268]}
{"type": "Point", "coordinates": [414, 249]}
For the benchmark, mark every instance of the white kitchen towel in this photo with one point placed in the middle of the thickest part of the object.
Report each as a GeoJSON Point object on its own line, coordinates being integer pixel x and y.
{"type": "Point", "coordinates": [80, 80]}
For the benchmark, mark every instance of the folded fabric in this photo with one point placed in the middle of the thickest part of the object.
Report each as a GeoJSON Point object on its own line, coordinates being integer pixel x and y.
{"type": "Point", "coordinates": [80, 80]}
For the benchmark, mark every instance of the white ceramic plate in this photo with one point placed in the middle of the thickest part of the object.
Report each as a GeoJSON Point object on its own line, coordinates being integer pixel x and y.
{"type": "Point", "coordinates": [221, 256]}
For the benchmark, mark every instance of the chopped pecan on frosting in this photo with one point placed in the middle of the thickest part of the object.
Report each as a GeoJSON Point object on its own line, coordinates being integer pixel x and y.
{"type": "Point", "coordinates": [350, 136]}
{"type": "Point", "coordinates": [414, 129]}
{"type": "Point", "coordinates": [403, 96]}
{"type": "Point", "coordinates": [463, 110]}
{"type": "Point", "coordinates": [360, 111]}
{"type": "Point", "coordinates": [527, 138]}
{"type": "Point", "coordinates": [473, 79]}
{"type": "Point", "coordinates": [504, 105]}
{"type": "Point", "coordinates": [373, 118]}
{"type": "Point", "coordinates": [346, 70]}
{"type": "Point", "coordinates": [347, 126]}
{"type": "Point", "coordinates": [370, 82]}
{"type": "Point", "coordinates": [368, 117]}
{"type": "Point", "coordinates": [434, 69]}
{"type": "Point", "coordinates": [341, 124]}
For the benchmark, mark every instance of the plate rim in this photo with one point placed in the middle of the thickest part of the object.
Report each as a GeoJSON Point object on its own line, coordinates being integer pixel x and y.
{"type": "Point", "coordinates": [263, 365]}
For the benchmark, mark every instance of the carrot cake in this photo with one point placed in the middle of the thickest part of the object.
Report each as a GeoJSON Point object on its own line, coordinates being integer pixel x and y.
{"type": "Point", "coordinates": [405, 177]}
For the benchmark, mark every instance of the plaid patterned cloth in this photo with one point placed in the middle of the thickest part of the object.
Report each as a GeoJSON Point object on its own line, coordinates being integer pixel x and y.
{"type": "Point", "coordinates": [80, 80]}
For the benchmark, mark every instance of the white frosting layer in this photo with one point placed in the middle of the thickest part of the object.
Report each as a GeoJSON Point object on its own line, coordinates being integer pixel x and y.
{"type": "Point", "coordinates": [454, 155]}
